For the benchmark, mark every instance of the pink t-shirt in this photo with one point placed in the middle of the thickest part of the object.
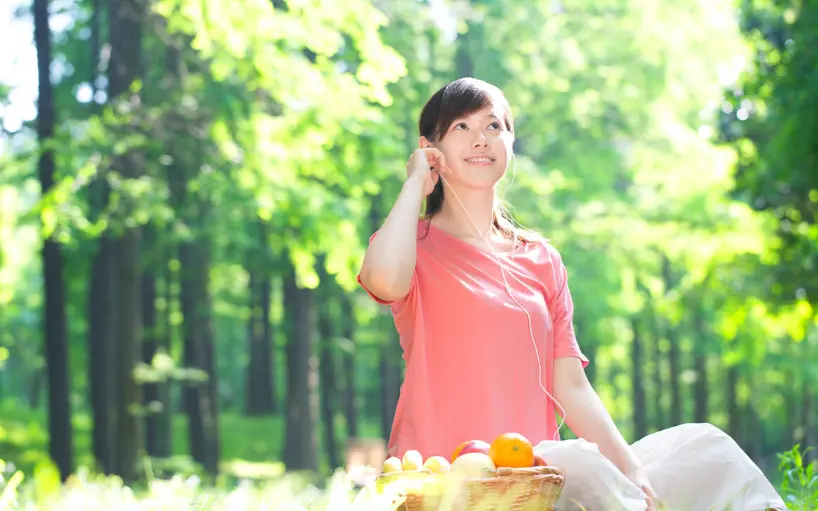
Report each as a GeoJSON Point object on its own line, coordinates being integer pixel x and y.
{"type": "Point", "coordinates": [471, 367]}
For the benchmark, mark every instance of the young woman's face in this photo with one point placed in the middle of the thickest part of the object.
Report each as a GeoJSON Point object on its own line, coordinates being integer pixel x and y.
{"type": "Point", "coordinates": [477, 148]}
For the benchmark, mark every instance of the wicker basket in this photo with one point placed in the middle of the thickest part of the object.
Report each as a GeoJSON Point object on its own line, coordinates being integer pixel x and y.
{"type": "Point", "coordinates": [512, 489]}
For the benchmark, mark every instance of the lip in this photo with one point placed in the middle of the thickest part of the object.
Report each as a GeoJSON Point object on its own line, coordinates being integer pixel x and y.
{"type": "Point", "coordinates": [480, 160]}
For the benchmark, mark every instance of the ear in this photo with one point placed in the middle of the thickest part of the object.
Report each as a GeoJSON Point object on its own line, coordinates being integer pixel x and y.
{"type": "Point", "coordinates": [425, 143]}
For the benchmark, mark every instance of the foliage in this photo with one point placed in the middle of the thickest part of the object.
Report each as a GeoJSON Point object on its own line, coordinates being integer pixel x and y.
{"type": "Point", "coordinates": [289, 492]}
{"type": "Point", "coordinates": [800, 480]}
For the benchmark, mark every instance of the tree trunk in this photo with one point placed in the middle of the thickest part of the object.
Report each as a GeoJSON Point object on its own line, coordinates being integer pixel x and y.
{"type": "Point", "coordinates": [101, 353]}
{"type": "Point", "coordinates": [390, 382]}
{"type": "Point", "coordinates": [128, 333]}
{"type": "Point", "coordinates": [658, 385]}
{"type": "Point", "coordinates": [387, 412]}
{"type": "Point", "coordinates": [268, 396]}
{"type": "Point", "coordinates": [268, 400]}
{"type": "Point", "coordinates": [163, 419]}
{"type": "Point", "coordinates": [300, 443]}
{"type": "Point", "coordinates": [199, 397]}
{"type": "Point", "coordinates": [260, 387]}
{"type": "Point", "coordinates": [753, 434]}
{"type": "Point", "coordinates": [640, 421]}
{"type": "Point", "coordinates": [809, 438]}
{"type": "Point", "coordinates": [259, 384]}
{"type": "Point", "coordinates": [211, 412]}
{"type": "Point", "coordinates": [350, 388]}
{"type": "Point", "coordinates": [328, 383]}
{"type": "Point", "coordinates": [700, 365]}
{"type": "Point", "coordinates": [149, 348]}
{"type": "Point", "coordinates": [676, 404]}
{"type": "Point", "coordinates": [100, 334]}
{"type": "Point", "coordinates": [193, 393]}
{"type": "Point", "coordinates": [733, 410]}
{"type": "Point", "coordinates": [60, 431]}
{"type": "Point", "coordinates": [255, 365]}
{"type": "Point", "coordinates": [125, 19]}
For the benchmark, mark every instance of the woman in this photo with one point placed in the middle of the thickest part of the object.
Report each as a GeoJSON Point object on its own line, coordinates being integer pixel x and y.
{"type": "Point", "coordinates": [485, 316]}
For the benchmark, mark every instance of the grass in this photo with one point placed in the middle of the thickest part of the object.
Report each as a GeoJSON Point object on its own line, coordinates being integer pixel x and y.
{"type": "Point", "coordinates": [247, 443]}
{"type": "Point", "coordinates": [287, 492]}
{"type": "Point", "coordinates": [253, 480]}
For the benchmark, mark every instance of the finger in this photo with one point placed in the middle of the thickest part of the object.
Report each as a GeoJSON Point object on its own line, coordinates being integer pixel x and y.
{"type": "Point", "coordinates": [652, 498]}
{"type": "Point", "coordinates": [435, 165]}
{"type": "Point", "coordinates": [436, 159]}
{"type": "Point", "coordinates": [441, 161]}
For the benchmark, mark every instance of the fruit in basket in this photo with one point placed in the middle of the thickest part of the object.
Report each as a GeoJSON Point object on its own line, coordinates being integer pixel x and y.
{"type": "Point", "coordinates": [473, 464]}
{"type": "Point", "coordinates": [437, 464]}
{"type": "Point", "coordinates": [392, 464]}
{"type": "Point", "coordinates": [512, 450]}
{"type": "Point", "coordinates": [539, 461]}
{"type": "Point", "coordinates": [412, 460]}
{"type": "Point", "coordinates": [471, 446]}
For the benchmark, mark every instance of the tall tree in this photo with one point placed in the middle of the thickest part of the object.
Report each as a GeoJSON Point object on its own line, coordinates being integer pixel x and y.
{"type": "Point", "coordinates": [676, 405]}
{"type": "Point", "coordinates": [260, 384]}
{"type": "Point", "coordinates": [100, 337]}
{"type": "Point", "coordinates": [154, 398]}
{"type": "Point", "coordinates": [55, 333]}
{"type": "Point", "coordinates": [300, 441]}
{"type": "Point", "coordinates": [125, 21]}
{"type": "Point", "coordinates": [640, 417]}
{"type": "Point", "coordinates": [701, 387]}
{"type": "Point", "coordinates": [350, 390]}
{"type": "Point", "coordinates": [329, 384]}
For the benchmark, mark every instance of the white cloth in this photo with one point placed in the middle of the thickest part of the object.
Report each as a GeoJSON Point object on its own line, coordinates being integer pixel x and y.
{"type": "Point", "coordinates": [692, 467]}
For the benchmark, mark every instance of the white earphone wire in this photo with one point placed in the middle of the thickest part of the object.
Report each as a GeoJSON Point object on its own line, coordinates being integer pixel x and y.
{"type": "Point", "coordinates": [511, 295]}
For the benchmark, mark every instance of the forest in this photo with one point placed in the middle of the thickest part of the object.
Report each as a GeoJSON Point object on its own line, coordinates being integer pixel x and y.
{"type": "Point", "coordinates": [187, 190]}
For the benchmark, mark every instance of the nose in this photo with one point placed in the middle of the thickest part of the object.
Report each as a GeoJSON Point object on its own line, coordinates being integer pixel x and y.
{"type": "Point", "coordinates": [481, 140]}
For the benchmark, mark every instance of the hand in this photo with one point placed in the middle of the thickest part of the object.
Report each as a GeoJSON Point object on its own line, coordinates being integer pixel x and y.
{"type": "Point", "coordinates": [639, 478]}
{"type": "Point", "coordinates": [426, 164]}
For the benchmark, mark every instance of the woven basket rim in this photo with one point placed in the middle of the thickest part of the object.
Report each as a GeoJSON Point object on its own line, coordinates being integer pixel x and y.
{"type": "Point", "coordinates": [503, 472]}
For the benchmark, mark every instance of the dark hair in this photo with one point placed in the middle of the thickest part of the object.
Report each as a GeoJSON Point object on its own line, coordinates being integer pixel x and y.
{"type": "Point", "coordinates": [458, 99]}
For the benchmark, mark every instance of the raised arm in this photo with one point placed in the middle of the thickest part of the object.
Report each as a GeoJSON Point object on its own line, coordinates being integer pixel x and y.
{"type": "Point", "coordinates": [389, 261]}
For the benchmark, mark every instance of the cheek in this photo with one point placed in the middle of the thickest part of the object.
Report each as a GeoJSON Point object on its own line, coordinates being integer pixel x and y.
{"type": "Point", "coordinates": [450, 152]}
{"type": "Point", "coordinates": [508, 143]}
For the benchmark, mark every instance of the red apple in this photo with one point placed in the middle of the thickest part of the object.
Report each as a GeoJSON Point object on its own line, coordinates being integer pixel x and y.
{"type": "Point", "coordinates": [539, 461]}
{"type": "Point", "coordinates": [471, 446]}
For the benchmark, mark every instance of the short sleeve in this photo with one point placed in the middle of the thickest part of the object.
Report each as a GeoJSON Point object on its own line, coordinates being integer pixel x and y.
{"type": "Point", "coordinates": [395, 304]}
{"type": "Point", "coordinates": [562, 310]}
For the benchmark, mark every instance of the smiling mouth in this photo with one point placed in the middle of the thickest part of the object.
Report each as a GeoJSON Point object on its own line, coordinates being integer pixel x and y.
{"type": "Point", "coordinates": [482, 160]}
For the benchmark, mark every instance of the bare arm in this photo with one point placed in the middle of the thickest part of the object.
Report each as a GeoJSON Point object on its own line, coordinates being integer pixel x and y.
{"type": "Point", "coordinates": [586, 415]}
{"type": "Point", "coordinates": [389, 261]}
{"type": "Point", "coordinates": [589, 419]}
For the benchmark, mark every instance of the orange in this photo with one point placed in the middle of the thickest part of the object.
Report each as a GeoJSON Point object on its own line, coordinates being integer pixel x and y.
{"type": "Point", "coordinates": [512, 450]}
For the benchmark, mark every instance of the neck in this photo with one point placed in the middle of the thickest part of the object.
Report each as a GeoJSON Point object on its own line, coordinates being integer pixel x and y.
{"type": "Point", "coordinates": [479, 207]}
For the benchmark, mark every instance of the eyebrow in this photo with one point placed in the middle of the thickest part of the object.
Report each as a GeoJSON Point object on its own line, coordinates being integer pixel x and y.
{"type": "Point", "coordinates": [493, 116]}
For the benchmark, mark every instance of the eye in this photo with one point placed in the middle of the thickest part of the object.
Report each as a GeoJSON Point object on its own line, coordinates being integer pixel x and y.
{"type": "Point", "coordinates": [495, 125]}
{"type": "Point", "coordinates": [459, 125]}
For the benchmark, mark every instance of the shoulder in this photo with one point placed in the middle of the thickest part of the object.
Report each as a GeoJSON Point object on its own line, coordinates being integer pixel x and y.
{"type": "Point", "coordinates": [548, 264]}
{"type": "Point", "coordinates": [544, 251]}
